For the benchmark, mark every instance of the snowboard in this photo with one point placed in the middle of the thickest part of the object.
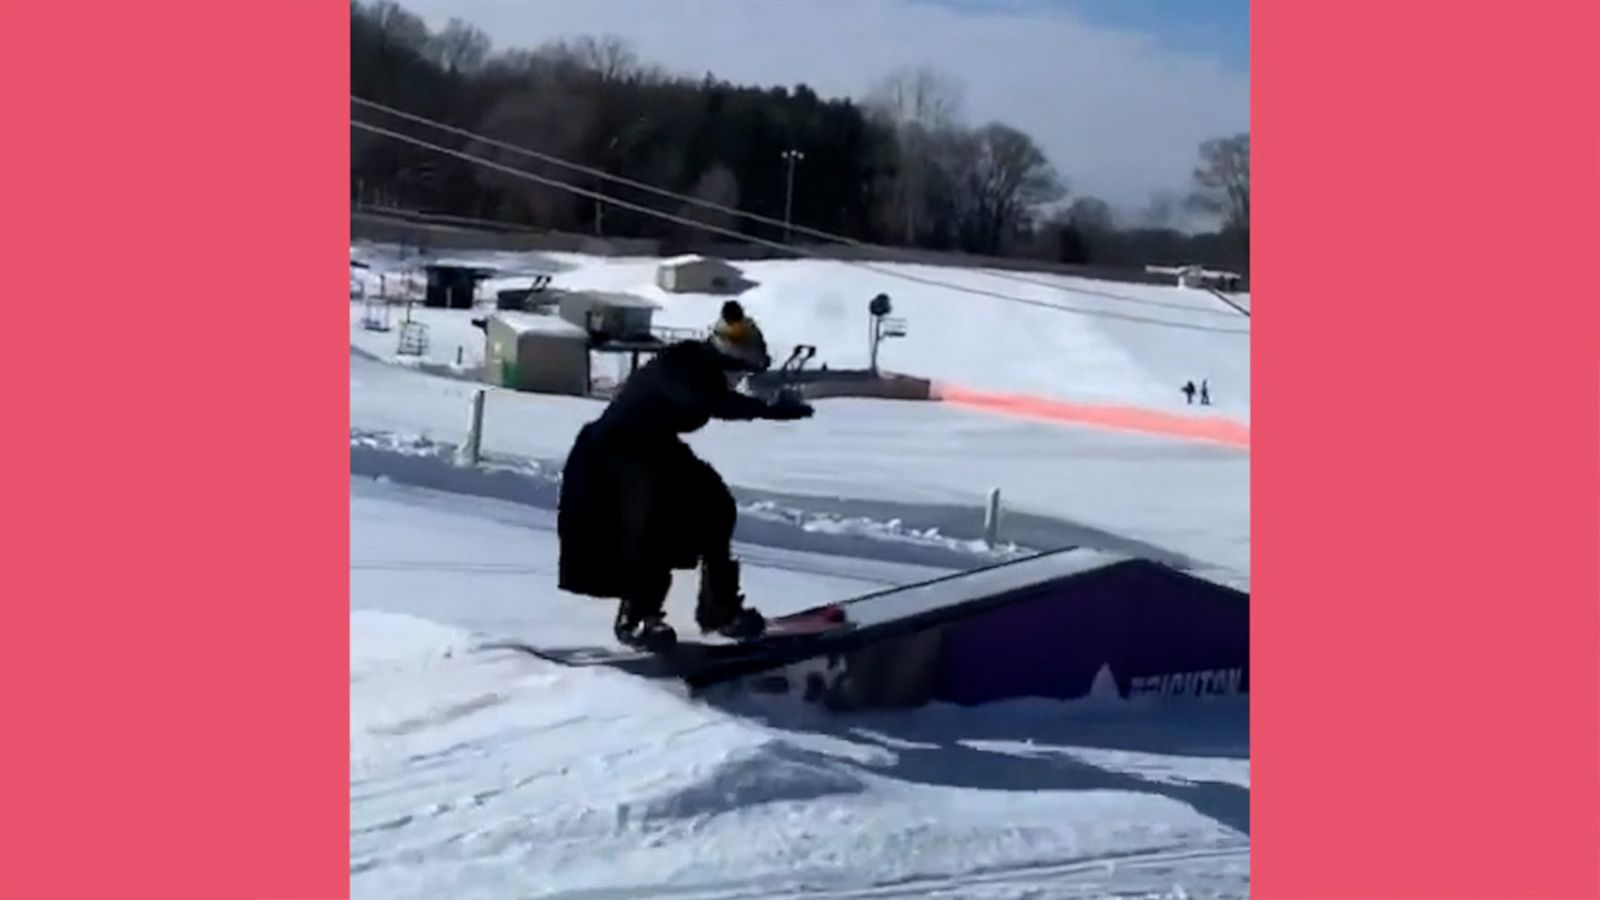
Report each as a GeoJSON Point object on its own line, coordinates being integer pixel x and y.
{"type": "Point", "coordinates": [811, 621]}
{"type": "Point", "coordinates": [693, 652]}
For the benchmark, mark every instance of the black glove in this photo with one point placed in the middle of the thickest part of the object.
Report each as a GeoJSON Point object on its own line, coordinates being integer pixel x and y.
{"type": "Point", "coordinates": [789, 407]}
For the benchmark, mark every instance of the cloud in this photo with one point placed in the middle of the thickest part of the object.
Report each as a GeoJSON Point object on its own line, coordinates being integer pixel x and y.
{"type": "Point", "coordinates": [1119, 114]}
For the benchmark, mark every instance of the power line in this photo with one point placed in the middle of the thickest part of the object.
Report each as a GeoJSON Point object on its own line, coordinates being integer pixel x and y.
{"type": "Point", "coordinates": [745, 214]}
{"type": "Point", "coordinates": [891, 273]}
{"type": "Point", "coordinates": [904, 276]}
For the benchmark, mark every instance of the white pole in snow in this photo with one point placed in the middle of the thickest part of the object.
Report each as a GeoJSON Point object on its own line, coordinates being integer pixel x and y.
{"type": "Point", "coordinates": [991, 519]}
{"type": "Point", "coordinates": [475, 433]}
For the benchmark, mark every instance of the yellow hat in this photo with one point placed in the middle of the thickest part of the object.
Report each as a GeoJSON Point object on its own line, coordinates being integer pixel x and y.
{"type": "Point", "coordinates": [742, 340]}
{"type": "Point", "coordinates": [735, 332]}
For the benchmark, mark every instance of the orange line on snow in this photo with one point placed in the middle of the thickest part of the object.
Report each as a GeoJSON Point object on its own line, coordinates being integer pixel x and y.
{"type": "Point", "coordinates": [1121, 418]}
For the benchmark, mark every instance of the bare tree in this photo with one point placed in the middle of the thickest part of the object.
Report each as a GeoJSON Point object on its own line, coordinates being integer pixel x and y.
{"type": "Point", "coordinates": [1161, 211]}
{"type": "Point", "coordinates": [511, 64]}
{"type": "Point", "coordinates": [400, 25]}
{"type": "Point", "coordinates": [1222, 180]}
{"type": "Point", "coordinates": [717, 185]}
{"type": "Point", "coordinates": [917, 96]}
{"type": "Point", "coordinates": [1007, 179]}
{"type": "Point", "coordinates": [918, 103]}
{"type": "Point", "coordinates": [460, 47]}
{"type": "Point", "coordinates": [543, 118]}
{"type": "Point", "coordinates": [608, 56]}
{"type": "Point", "coordinates": [1091, 214]}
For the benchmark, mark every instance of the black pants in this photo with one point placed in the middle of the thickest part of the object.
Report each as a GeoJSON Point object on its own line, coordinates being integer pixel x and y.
{"type": "Point", "coordinates": [632, 511]}
{"type": "Point", "coordinates": [677, 514]}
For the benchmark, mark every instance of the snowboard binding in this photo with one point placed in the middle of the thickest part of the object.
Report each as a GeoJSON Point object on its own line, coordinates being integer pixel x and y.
{"type": "Point", "coordinates": [744, 625]}
{"type": "Point", "coordinates": [721, 609]}
{"type": "Point", "coordinates": [651, 634]}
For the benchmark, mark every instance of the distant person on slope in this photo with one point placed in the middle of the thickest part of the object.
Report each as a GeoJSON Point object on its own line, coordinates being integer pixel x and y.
{"type": "Point", "coordinates": [636, 503]}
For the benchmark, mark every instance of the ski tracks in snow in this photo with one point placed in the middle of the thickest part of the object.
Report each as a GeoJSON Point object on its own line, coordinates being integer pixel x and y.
{"type": "Point", "coordinates": [1170, 874]}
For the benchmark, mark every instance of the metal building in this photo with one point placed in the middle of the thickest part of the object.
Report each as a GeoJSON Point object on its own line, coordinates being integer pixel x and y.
{"type": "Point", "coordinates": [537, 353]}
{"type": "Point", "coordinates": [699, 275]}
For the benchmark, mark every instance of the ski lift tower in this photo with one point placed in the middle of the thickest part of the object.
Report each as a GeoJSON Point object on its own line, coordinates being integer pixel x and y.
{"type": "Point", "coordinates": [413, 334]}
{"type": "Point", "coordinates": [883, 326]}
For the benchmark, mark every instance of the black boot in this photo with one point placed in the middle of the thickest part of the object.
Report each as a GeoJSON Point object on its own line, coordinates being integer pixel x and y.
{"type": "Point", "coordinates": [721, 606]}
{"type": "Point", "coordinates": [649, 631]}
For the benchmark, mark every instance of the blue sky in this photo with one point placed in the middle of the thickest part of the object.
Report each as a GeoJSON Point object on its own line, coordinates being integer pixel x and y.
{"type": "Point", "coordinates": [1219, 28]}
{"type": "Point", "coordinates": [1118, 93]}
{"type": "Point", "coordinates": [1212, 27]}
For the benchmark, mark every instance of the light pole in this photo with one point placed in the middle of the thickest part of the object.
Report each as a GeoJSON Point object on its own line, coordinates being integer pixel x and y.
{"type": "Point", "coordinates": [793, 156]}
{"type": "Point", "coordinates": [879, 307]}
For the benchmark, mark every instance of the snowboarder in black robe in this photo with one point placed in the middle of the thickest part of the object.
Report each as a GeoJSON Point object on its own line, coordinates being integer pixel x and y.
{"type": "Point", "coordinates": [636, 503]}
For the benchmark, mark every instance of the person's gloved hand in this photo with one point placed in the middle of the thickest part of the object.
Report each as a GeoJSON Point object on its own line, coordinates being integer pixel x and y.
{"type": "Point", "coordinates": [789, 407]}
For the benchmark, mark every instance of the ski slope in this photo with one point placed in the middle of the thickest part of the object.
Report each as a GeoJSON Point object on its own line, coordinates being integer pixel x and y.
{"type": "Point", "coordinates": [1138, 348]}
{"type": "Point", "coordinates": [486, 774]}
{"type": "Point", "coordinates": [478, 773]}
{"type": "Point", "coordinates": [1192, 500]}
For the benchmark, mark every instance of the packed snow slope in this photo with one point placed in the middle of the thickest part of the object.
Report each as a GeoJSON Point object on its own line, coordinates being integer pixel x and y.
{"type": "Point", "coordinates": [483, 773]}
{"type": "Point", "coordinates": [1136, 346]}
{"type": "Point", "coordinates": [1192, 500]}
{"type": "Point", "coordinates": [488, 774]}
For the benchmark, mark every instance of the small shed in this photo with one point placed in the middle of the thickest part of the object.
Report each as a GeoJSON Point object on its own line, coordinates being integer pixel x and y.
{"type": "Point", "coordinates": [453, 285]}
{"type": "Point", "coordinates": [538, 353]}
{"type": "Point", "coordinates": [612, 316]}
{"type": "Point", "coordinates": [699, 275]}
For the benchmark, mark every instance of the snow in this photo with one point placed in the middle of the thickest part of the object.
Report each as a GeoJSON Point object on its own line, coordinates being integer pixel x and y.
{"type": "Point", "coordinates": [493, 563]}
{"type": "Point", "coordinates": [479, 773]}
{"type": "Point", "coordinates": [624, 300]}
{"type": "Point", "coordinates": [532, 323]}
{"type": "Point", "coordinates": [1190, 499]}
{"type": "Point", "coordinates": [419, 461]}
{"type": "Point", "coordinates": [684, 259]}
{"type": "Point", "coordinates": [451, 336]}
{"type": "Point", "coordinates": [975, 341]}
{"type": "Point", "coordinates": [964, 339]}
{"type": "Point", "coordinates": [487, 773]}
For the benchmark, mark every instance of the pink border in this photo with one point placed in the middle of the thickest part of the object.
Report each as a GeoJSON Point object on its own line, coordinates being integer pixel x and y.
{"type": "Point", "coordinates": [1426, 627]}
{"type": "Point", "coordinates": [173, 451]}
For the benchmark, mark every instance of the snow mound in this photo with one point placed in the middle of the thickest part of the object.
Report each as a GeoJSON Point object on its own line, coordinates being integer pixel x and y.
{"type": "Point", "coordinates": [475, 772]}
{"type": "Point", "coordinates": [403, 444]}
{"type": "Point", "coordinates": [388, 641]}
{"type": "Point", "coordinates": [421, 461]}
{"type": "Point", "coordinates": [768, 773]}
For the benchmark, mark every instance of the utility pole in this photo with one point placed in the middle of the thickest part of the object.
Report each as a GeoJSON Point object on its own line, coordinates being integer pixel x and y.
{"type": "Point", "coordinates": [793, 156]}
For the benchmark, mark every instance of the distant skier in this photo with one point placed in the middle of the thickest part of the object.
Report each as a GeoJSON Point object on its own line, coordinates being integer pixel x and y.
{"type": "Point", "coordinates": [636, 503]}
{"type": "Point", "coordinates": [1188, 391]}
{"type": "Point", "coordinates": [1205, 393]}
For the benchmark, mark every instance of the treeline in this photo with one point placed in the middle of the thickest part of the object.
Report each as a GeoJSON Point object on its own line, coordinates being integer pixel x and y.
{"type": "Point", "coordinates": [898, 167]}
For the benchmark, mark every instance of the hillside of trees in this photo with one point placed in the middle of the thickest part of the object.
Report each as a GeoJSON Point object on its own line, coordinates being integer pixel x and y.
{"type": "Point", "coordinates": [897, 167]}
